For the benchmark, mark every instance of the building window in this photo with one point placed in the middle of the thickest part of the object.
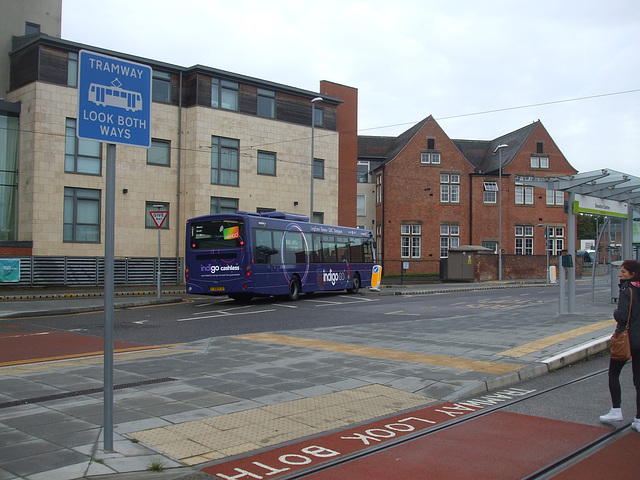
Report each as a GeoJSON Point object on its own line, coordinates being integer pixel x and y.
{"type": "Point", "coordinates": [524, 240]}
{"type": "Point", "coordinates": [449, 238]}
{"type": "Point", "coordinates": [9, 138]}
{"type": "Point", "coordinates": [318, 217]}
{"type": "Point", "coordinates": [379, 188]}
{"type": "Point", "coordinates": [539, 147]}
{"type": "Point", "coordinates": [266, 163]}
{"type": "Point", "coordinates": [555, 197]}
{"type": "Point", "coordinates": [362, 206]}
{"type": "Point", "coordinates": [161, 87]}
{"type": "Point", "coordinates": [318, 168]}
{"type": "Point", "coordinates": [524, 195]}
{"type": "Point", "coordinates": [81, 155]}
{"type": "Point", "coordinates": [490, 192]}
{"type": "Point", "coordinates": [156, 207]}
{"type": "Point", "coordinates": [411, 241]}
{"type": "Point", "coordinates": [555, 240]}
{"type": "Point", "coordinates": [431, 143]}
{"type": "Point", "coordinates": [72, 69]}
{"type": "Point", "coordinates": [430, 158]}
{"type": "Point", "coordinates": [266, 103]}
{"type": "Point", "coordinates": [225, 161]}
{"type": "Point", "coordinates": [81, 216]}
{"type": "Point", "coordinates": [539, 162]}
{"type": "Point", "coordinates": [491, 245]}
{"type": "Point", "coordinates": [224, 94]}
{"type": "Point", "coordinates": [159, 153]}
{"type": "Point", "coordinates": [449, 187]}
{"type": "Point", "coordinates": [318, 116]}
{"type": "Point", "coordinates": [223, 205]}
{"type": "Point", "coordinates": [364, 172]}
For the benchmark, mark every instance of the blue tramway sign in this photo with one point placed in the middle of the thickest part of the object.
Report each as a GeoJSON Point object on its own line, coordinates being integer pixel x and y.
{"type": "Point", "coordinates": [114, 100]}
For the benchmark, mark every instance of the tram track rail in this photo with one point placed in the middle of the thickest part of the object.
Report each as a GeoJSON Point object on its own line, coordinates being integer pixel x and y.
{"type": "Point", "coordinates": [543, 473]}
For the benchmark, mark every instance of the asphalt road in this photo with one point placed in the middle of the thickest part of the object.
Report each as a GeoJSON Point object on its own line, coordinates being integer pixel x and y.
{"type": "Point", "coordinates": [200, 317]}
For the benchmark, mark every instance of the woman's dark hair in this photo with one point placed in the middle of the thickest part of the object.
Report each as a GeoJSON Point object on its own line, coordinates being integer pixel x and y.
{"type": "Point", "coordinates": [633, 267]}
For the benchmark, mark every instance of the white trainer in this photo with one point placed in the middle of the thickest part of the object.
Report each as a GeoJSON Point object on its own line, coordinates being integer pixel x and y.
{"type": "Point", "coordinates": [636, 424]}
{"type": "Point", "coordinates": [614, 415]}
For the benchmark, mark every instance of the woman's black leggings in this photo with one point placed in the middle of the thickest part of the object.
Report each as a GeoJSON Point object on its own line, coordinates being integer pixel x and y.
{"type": "Point", "coordinates": [615, 367]}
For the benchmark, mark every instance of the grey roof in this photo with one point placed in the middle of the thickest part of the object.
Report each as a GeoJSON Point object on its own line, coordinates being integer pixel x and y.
{"type": "Point", "coordinates": [480, 153]}
{"type": "Point", "coordinates": [404, 138]}
{"type": "Point", "coordinates": [374, 147]}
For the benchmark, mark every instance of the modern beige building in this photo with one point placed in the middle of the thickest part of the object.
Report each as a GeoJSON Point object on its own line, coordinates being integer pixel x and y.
{"type": "Point", "coordinates": [221, 142]}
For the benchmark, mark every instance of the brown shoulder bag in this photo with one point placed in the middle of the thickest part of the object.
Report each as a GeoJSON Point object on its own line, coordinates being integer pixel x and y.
{"type": "Point", "coordinates": [620, 346]}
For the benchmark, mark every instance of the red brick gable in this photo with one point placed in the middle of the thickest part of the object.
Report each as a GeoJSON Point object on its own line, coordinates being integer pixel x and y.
{"type": "Point", "coordinates": [411, 193]}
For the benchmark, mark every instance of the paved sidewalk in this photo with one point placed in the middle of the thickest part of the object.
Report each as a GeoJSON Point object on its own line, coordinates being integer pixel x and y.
{"type": "Point", "coordinates": [181, 408]}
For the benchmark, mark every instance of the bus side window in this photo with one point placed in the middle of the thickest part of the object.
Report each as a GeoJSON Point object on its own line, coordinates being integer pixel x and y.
{"type": "Point", "coordinates": [293, 249]}
{"type": "Point", "coordinates": [316, 249]}
{"type": "Point", "coordinates": [264, 249]}
{"type": "Point", "coordinates": [356, 251]}
{"type": "Point", "coordinates": [368, 252]}
{"type": "Point", "coordinates": [329, 249]}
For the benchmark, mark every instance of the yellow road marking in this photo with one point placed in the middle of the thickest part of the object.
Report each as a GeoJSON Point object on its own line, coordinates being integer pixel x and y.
{"type": "Point", "coordinates": [542, 343]}
{"type": "Point", "coordinates": [424, 358]}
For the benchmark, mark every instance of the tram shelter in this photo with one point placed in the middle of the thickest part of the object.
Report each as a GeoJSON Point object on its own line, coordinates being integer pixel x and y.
{"type": "Point", "coordinates": [600, 192]}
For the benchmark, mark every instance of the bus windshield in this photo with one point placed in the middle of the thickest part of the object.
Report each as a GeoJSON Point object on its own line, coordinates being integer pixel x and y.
{"type": "Point", "coordinates": [216, 235]}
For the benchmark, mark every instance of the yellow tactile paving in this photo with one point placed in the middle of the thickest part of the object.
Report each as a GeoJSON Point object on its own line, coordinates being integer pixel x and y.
{"type": "Point", "coordinates": [201, 441]}
{"type": "Point", "coordinates": [542, 343]}
{"type": "Point", "coordinates": [429, 359]}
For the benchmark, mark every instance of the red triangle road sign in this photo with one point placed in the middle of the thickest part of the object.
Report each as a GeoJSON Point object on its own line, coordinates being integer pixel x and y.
{"type": "Point", "coordinates": [158, 217]}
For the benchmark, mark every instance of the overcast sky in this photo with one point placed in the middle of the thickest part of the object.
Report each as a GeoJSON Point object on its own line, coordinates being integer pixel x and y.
{"type": "Point", "coordinates": [481, 68]}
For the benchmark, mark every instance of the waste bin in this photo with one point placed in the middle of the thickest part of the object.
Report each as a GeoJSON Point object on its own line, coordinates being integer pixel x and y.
{"type": "Point", "coordinates": [615, 281]}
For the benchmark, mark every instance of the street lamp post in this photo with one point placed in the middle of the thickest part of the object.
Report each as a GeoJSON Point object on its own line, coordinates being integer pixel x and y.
{"type": "Point", "coordinates": [313, 126]}
{"type": "Point", "coordinates": [546, 246]}
{"type": "Point", "coordinates": [499, 150]}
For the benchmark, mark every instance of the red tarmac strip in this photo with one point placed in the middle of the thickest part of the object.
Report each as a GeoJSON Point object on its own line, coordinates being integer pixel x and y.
{"type": "Point", "coordinates": [497, 446]}
{"type": "Point", "coordinates": [19, 346]}
{"type": "Point", "coordinates": [619, 460]}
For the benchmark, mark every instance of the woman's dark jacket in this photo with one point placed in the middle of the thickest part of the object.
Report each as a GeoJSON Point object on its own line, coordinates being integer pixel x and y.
{"type": "Point", "coordinates": [620, 314]}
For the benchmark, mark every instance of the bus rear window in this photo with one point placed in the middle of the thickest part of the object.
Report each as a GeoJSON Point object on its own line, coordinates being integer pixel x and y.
{"type": "Point", "coordinates": [216, 235]}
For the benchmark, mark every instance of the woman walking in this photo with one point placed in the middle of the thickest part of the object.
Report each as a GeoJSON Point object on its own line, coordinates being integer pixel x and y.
{"type": "Point", "coordinates": [629, 286]}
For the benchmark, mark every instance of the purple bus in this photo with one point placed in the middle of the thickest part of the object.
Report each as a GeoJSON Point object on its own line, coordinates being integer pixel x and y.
{"type": "Point", "coordinates": [246, 254]}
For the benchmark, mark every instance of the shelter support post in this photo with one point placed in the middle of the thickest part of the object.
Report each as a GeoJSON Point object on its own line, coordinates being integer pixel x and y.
{"type": "Point", "coordinates": [571, 271]}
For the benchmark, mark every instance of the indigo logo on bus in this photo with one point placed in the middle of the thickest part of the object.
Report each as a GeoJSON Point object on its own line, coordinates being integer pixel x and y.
{"type": "Point", "coordinates": [332, 277]}
{"type": "Point", "coordinates": [215, 269]}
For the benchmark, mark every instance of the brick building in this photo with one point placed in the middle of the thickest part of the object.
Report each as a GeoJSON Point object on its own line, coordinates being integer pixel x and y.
{"type": "Point", "coordinates": [433, 193]}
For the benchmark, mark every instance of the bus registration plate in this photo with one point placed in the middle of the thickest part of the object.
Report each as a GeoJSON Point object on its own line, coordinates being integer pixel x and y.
{"type": "Point", "coordinates": [216, 289]}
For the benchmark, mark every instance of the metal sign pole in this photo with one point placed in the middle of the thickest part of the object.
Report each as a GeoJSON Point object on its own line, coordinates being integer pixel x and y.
{"type": "Point", "coordinates": [109, 240]}
{"type": "Point", "coordinates": [159, 259]}
{"type": "Point", "coordinates": [114, 106]}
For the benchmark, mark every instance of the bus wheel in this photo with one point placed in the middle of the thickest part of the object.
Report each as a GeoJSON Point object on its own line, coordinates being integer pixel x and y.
{"type": "Point", "coordinates": [294, 288]}
{"type": "Point", "coordinates": [356, 284]}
